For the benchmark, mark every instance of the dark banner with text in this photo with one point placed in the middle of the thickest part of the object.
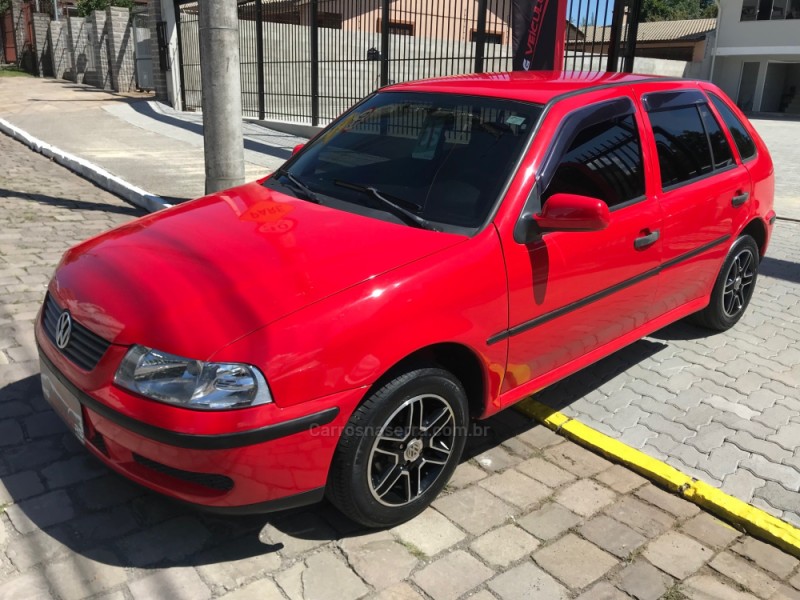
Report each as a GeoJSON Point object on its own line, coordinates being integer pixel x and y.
{"type": "Point", "coordinates": [538, 34]}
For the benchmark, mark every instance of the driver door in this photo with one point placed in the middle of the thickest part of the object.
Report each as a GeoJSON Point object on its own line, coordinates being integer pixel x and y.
{"type": "Point", "coordinates": [572, 293]}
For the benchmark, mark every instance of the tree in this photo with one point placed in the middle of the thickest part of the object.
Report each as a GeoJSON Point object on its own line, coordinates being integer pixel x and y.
{"type": "Point", "coordinates": [87, 7]}
{"type": "Point", "coordinates": [674, 10]}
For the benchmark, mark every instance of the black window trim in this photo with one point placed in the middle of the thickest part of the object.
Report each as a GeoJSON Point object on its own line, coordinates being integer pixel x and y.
{"type": "Point", "coordinates": [711, 115]}
{"type": "Point", "coordinates": [743, 160]}
{"type": "Point", "coordinates": [684, 99]}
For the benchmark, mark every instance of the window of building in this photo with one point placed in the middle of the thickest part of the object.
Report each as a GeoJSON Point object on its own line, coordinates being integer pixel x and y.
{"type": "Point", "coordinates": [397, 28]}
{"type": "Point", "coordinates": [749, 10]}
{"type": "Point", "coordinates": [489, 37]}
{"type": "Point", "coordinates": [330, 20]}
{"type": "Point", "coordinates": [291, 17]}
{"type": "Point", "coordinates": [770, 10]}
{"type": "Point", "coordinates": [604, 161]}
{"type": "Point", "coordinates": [683, 150]}
{"type": "Point", "coordinates": [742, 139]}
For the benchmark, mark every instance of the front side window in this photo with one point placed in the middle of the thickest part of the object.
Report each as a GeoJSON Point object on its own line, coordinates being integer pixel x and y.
{"type": "Point", "coordinates": [742, 139]}
{"type": "Point", "coordinates": [683, 150]}
{"type": "Point", "coordinates": [604, 161]}
{"type": "Point", "coordinates": [442, 157]}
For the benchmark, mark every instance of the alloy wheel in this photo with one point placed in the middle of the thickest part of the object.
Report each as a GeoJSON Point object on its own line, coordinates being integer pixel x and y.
{"type": "Point", "coordinates": [738, 283]}
{"type": "Point", "coordinates": [411, 450]}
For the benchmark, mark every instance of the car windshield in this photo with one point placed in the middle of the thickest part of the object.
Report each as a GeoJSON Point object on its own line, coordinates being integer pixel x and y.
{"type": "Point", "coordinates": [436, 161]}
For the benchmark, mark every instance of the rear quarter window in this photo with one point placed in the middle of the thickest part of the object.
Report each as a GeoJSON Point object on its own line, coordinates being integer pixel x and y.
{"type": "Point", "coordinates": [744, 143]}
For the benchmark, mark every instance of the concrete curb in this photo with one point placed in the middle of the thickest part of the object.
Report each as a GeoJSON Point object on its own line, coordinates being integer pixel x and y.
{"type": "Point", "coordinates": [753, 520]}
{"type": "Point", "coordinates": [97, 175]}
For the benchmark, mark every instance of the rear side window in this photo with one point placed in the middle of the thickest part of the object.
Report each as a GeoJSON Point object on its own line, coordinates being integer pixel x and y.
{"type": "Point", "coordinates": [683, 150]}
{"type": "Point", "coordinates": [604, 161]}
{"type": "Point", "coordinates": [742, 139]}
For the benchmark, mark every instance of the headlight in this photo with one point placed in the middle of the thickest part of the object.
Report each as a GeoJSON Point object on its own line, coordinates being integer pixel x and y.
{"type": "Point", "coordinates": [191, 383]}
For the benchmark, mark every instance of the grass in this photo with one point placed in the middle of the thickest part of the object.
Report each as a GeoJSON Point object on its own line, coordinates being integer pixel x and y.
{"type": "Point", "coordinates": [13, 72]}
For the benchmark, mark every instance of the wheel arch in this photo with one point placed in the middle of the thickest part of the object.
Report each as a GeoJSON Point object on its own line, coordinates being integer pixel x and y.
{"type": "Point", "coordinates": [460, 360]}
{"type": "Point", "coordinates": [757, 229]}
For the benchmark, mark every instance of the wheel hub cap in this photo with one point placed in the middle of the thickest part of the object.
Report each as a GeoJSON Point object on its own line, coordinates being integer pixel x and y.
{"type": "Point", "coordinates": [738, 283]}
{"type": "Point", "coordinates": [413, 450]}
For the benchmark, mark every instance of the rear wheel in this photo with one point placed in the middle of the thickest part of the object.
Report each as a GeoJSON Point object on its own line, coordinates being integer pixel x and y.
{"type": "Point", "coordinates": [400, 448]}
{"type": "Point", "coordinates": [733, 288]}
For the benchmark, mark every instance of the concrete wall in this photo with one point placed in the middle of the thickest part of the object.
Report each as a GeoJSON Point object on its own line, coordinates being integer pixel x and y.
{"type": "Point", "coordinates": [80, 55]}
{"type": "Point", "coordinates": [19, 27]}
{"type": "Point", "coordinates": [59, 44]}
{"type": "Point", "coordinates": [97, 42]}
{"type": "Point", "coordinates": [120, 43]}
{"type": "Point", "coordinates": [41, 44]}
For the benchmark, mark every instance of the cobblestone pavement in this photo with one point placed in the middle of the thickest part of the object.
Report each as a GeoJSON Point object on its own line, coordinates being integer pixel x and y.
{"type": "Point", "coordinates": [528, 514]}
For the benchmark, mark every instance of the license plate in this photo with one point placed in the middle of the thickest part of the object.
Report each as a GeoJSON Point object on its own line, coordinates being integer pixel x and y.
{"type": "Point", "coordinates": [62, 401]}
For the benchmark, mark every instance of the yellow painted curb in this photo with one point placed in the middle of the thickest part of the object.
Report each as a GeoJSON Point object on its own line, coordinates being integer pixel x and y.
{"type": "Point", "coordinates": [753, 520]}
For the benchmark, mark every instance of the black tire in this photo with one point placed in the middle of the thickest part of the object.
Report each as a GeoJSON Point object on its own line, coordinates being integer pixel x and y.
{"type": "Point", "coordinates": [380, 446]}
{"type": "Point", "coordinates": [733, 288]}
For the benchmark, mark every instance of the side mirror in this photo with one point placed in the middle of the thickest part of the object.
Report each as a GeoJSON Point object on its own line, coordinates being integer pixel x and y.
{"type": "Point", "coordinates": [570, 212]}
{"type": "Point", "coordinates": [297, 149]}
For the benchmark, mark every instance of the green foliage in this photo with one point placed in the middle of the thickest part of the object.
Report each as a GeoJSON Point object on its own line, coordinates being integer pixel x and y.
{"type": "Point", "coordinates": [86, 7]}
{"type": "Point", "coordinates": [4, 6]}
{"type": "Point", "coordinates": [674, 10]}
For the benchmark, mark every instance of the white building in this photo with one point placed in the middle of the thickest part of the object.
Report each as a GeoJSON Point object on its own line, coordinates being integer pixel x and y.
{"type": "Point", "coordinates": [757, 55]}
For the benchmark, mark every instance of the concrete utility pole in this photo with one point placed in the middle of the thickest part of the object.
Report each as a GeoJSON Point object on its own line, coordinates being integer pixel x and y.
{"type": "Point", "coordinates": [222, 94]}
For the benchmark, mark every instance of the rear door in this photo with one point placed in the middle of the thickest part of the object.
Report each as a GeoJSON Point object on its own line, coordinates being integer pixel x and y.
{"type": "Point", "coordinates": [701, 187]}
{"type": "Point", "coordinates": [571, 293]}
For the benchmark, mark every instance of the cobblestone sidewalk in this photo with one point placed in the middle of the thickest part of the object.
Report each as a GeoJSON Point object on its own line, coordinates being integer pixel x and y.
{"type": "Point", "coordinates": [528, 515]}
{"type": "Point", "coordinates": [724, 408]}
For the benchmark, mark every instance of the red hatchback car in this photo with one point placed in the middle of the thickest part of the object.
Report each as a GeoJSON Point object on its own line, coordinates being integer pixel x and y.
{"type": "Point", "coordinates": [441, 251]}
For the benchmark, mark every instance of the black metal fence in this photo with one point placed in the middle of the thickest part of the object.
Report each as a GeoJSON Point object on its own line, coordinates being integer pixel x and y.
{"type": "Point", "coordinates": [307, 61]}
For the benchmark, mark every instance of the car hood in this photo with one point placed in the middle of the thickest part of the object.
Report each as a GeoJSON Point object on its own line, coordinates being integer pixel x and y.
{"type": "Point", "coordinates": [198, 276]}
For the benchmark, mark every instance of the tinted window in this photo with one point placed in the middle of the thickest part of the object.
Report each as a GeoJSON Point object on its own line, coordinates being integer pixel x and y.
{"type": "Point", "coordinates": [444, 157]}
{"type": "Point", "coordinates": [741, 138]}
{"type": "Point", "coordinates": [720, 150]}
{"type": "Point", "coordinates": [683, 151]}
{"type": "Point", "coordinates": [604, 161]}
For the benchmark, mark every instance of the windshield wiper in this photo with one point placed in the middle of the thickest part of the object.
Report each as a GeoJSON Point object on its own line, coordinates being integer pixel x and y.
{"type": "Point", "coordinates": [398, 210]}
{"type": "Point", "coordinates": [307, 192]}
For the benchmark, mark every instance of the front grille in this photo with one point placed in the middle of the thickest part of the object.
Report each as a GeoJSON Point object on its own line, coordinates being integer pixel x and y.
{"type": "Point", "coordinates": [84, 348]}
{"type": "Point", "coordinates": [208, 480]}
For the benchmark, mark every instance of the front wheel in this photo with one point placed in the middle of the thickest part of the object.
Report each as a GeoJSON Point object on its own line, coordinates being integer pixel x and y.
{"type": "Point", "coordinates": [733, 288]}
{"type": "Point", "coordinates": [400, 448]}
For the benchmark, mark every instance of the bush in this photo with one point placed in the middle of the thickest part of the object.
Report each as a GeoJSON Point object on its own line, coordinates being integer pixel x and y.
{"type": "Point", "coordinates": [87, 7]}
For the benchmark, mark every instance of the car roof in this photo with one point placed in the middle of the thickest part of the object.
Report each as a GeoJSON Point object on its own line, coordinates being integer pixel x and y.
{"type": "Point", "coordinates": [529, 86]}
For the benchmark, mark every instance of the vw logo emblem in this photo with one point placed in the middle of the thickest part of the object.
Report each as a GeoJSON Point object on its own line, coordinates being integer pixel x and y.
{"type": "Point", "coordinates": [63, 330]}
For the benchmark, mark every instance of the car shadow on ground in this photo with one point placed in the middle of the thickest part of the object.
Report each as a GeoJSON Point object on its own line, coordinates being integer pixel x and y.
{"type": "Point", "coordinates": [780, 269]}
{"type": "Point", "coordinates": [86, 508]}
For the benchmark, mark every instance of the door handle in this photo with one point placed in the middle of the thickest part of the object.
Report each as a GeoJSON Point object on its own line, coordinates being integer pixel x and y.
{"type": "Point", "coordinates": [645, 240]}
{"type": "Point", "coordinates": [740, 199]}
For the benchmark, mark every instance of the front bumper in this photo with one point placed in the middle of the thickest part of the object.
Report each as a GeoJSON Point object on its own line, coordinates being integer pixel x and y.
{"type": "Point", "coordinates": [275, 466]}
